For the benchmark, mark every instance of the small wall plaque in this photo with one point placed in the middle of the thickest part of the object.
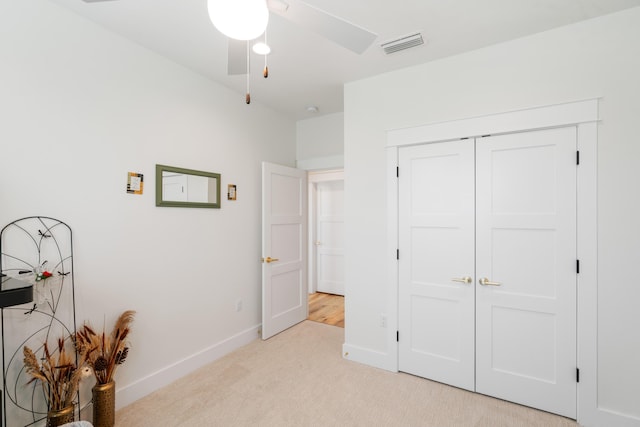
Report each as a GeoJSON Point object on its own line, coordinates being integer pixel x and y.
{"type": "Point", "coordinates": [135, 183]}
{"type": "Point", "coordinates": [231, 192]}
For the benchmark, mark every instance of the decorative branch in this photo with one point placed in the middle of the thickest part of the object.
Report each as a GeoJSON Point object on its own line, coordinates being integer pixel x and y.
{"type": "Point", "coordinates": [59, 375]}
{"type": "Point", "coordinates": [104, 353]}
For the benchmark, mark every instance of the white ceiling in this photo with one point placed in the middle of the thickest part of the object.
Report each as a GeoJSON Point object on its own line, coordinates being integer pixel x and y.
{"type": "Point", "coordinates": [307, 69]}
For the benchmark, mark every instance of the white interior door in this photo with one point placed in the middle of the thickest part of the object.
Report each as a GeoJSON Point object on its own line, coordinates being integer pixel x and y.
{"type": "Point", "coordinates": [517, 318]}
{"type": "Point", "coordinates": [330, 236]}
{"type": "Point", "coordinates": [526, 242]}
{"type": "Point", "coordinates": [284, 248]}
{"type": "Point", "coordinates": [436, 266]}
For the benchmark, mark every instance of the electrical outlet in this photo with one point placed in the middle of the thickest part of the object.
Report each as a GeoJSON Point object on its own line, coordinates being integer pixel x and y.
{"type": "Point", "coordinates": [239, 305]}
{"type": "Point", "coordinates": [383, 321]}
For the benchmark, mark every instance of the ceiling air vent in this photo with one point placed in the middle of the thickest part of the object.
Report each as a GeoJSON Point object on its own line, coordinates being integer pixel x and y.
{"type": "Point", "coordinates": [402, 43]}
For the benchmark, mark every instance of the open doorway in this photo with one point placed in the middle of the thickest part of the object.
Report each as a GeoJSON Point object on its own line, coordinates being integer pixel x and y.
{"type": "Point", "coordinates": [326, 247]}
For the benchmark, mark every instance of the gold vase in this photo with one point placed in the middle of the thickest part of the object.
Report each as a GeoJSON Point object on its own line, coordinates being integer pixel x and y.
{"type": "Point", "coordinates": [59, 417]}
{"type": "Point", "coordinates": [104, 404]}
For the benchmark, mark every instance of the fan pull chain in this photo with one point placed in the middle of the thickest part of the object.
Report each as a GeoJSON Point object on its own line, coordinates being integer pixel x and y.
{"type": "Point", "coordinates": [265, 72]}
{"type": "Point", "coordinates": [247, 97]}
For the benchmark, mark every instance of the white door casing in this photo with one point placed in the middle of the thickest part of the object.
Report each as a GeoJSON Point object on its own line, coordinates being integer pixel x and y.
{"type": "Point", "coordinates": [284, 248]}
{"type": "Point", "coordinates": [329, 242]}
{"type": "Point", "coordinates": [526, 242]}
{"type": "Point", "coordinates": [437, 293]}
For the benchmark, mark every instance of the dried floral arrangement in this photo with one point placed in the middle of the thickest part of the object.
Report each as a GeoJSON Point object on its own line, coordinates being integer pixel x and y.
{"type": "Point", "coordinates": [104, 353]}
{"type": "Point", "coordinates": [58, 374]}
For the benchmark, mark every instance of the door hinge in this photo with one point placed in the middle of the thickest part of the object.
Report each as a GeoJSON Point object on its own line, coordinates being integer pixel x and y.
{"type": "Point", "coordinates": [577, 375]}
{"type": "Point", "coordinates": [397, 253]}
{"type": "Point", "coordinates": [397, 336]}
{"type": "Point", "coordinates": [577, 266]}
{"type": "Point", "coordinates": [397, 172]}
{"type": "Point", "coordinates": [577, 157]}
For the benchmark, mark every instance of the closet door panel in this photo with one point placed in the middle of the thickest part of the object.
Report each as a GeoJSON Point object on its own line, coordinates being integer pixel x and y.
{"type": "Point", "coordinates": [436, 232]}
{"type": "Point", "coordinates": [526, 252]}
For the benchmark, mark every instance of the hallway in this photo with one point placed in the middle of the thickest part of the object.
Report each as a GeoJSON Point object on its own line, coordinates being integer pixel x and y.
{"type": "Point", "coordinates": [326, 308]}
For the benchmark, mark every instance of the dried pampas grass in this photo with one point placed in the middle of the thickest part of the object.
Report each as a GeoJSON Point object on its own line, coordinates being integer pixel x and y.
{"type": "Point", "coordinates": [57, 373]}
{"type": "Point", "coordinates": [104, 353]}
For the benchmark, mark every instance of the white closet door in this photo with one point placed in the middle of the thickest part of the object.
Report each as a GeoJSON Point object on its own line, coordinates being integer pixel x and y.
{"type": "Point", "coordinates": [526, 247]}
{"type": "Point", "coordinates": [436, 232]}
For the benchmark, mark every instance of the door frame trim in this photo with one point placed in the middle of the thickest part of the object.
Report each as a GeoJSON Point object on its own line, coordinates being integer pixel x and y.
{"type": "Point", "coordinates": [584, 116]}
{"type": "Point", "coordinates": [560, 115]}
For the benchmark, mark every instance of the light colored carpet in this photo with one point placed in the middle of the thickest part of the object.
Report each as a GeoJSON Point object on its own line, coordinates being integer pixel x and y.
{"type": "Point", "coordinates": [299, 378]}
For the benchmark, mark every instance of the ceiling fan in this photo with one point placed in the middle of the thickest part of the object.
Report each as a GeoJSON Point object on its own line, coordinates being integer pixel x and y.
{"type": "Point", "coordinates": [305, 15]}
{"type": "Point", "coordinates": [333, 28]}
{"type": "Point", "coordinates": [336, 29]}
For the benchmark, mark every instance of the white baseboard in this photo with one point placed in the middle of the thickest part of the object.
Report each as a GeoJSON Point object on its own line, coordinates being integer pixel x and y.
{"type": "Point", "coordinates": [602, 417]}
{"type": "Point", "coordinates": [369, 357]}
{"type": "Point", "coordinates": [147, 385]}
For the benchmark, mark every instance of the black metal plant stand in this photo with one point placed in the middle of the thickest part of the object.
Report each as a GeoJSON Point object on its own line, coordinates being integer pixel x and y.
{"type": "Point", "coordinates": [37, 303]}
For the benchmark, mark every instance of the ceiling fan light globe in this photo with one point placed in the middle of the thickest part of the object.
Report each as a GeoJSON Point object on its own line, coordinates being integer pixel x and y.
{"type": "Point", "coordinates": [239, 19]}
{"type": "Point", "coordinates": [261, 48]}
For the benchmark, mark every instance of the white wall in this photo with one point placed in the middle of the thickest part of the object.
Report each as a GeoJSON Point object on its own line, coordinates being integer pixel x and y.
{"type": "Point", "coordinates": [597, 58]}
{"type": "Point", "coordinates": [320, 142]}
{"type": "Point", "coordinates": [80, 108]}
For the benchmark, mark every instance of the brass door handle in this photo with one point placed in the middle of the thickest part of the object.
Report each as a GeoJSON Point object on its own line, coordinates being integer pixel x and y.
{"type": "Point", "coordinates": [269, 259]}
{"type": "Point", "coordinates": [486, 282]}
{"type": "Point", "coordinates": [465, 279]}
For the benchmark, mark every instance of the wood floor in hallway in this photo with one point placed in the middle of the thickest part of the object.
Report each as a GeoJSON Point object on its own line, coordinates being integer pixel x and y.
{"type": "Point", "coordinates": [326, 308]}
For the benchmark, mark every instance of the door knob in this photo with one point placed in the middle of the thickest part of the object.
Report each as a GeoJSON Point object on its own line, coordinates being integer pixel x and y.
{"type": "Point", "coordinates": [269, 259]}
{"type": "Point", "coordinates": [486, 282]}
{"type": "Point", "coordinates": [318, 243]}
{"type": "Point", "coordinates": [465, 279]}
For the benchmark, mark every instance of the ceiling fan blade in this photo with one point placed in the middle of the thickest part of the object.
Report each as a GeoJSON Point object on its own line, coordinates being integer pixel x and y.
{"type": "Point", "coordinates": [344, 33]}
{"type": "Point", "coordinates": [237, 57]}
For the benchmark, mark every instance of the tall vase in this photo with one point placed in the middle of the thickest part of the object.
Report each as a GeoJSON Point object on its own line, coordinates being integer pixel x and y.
{"type": "Point", "coordinates": [59, 417]}
{"type": "Point", "coordinates": [104, 404]}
